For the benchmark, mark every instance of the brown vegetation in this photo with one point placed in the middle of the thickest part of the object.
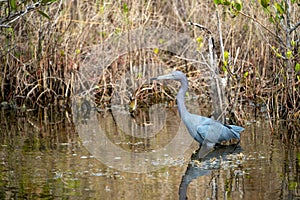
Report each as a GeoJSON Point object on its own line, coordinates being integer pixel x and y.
{"type": "Point", "coordinates": [40, 57]}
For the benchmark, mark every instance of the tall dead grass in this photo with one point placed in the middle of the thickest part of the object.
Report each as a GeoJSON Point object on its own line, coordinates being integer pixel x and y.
{"type": "Point", "coordinates": [40, 57]}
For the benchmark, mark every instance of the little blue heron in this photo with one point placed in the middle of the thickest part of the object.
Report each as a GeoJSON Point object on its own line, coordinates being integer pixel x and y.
{"type": "Point", "coordinates": [203, 129]}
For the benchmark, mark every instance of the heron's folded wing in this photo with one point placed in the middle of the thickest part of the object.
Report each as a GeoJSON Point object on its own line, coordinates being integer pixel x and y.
{"type": "Point", "coordinates": [235, 130]}
{"type": "Point", "coordinates": [214, 132]}
{"type": "Point", "coordinates": [209, 132]}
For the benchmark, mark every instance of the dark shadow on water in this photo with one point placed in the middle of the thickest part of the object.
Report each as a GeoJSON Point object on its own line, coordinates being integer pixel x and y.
{"type": "Point", "coordinates": [204, 165]}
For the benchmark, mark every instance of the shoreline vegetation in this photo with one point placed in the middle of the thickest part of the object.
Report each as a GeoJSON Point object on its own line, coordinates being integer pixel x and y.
{"type": "Point", "coordinates": [256, 51]}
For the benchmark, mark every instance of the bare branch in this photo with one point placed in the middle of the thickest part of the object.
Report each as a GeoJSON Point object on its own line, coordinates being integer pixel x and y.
{"type": "Point", "coordinates": [258, 22]}
{"type": "Point", "coordinates": [294, 28]}
{"type": "Point", "coordinates": [5, 22]}
{"type": "Point", "coordinates": [200, 26]}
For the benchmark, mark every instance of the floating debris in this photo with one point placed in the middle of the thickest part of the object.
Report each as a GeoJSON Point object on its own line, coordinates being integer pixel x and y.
{"type": "Point", "coordinates": [84, 157]}
{"type": "Point", "coordinates": [229, 161]}
{"type": "Point", "coordinates": [107, 189]}
{"type": "Point", "coordinates": [99, 174]}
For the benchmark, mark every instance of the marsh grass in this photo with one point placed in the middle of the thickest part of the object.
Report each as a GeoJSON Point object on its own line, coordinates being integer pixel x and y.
{"type": "Point", "coordinates": [40, 58]}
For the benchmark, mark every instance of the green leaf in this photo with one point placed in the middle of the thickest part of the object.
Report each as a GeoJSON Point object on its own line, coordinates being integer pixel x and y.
{"type": "Point", "coordinates": [226, 3]}
{"type": "Point", "coordinates": [161, 41]}
{"type": "Point", "coordinates": [224, 68]}
{"type": "Point", "coordinates": [10, 30]}
{"type": "Point", "coordinates": [118, 30]}
{"type": "Point", "coordinates": [44, 14]}
{"type": "Point", "coordinates": [225, 63]}
{"type": "Point", "coordinates": [200, 42]}
{"type": "Point", "coordinates": [238, 5]}
{"type": "Point", "coordinates": [13, 5]}
{"type": "Point", "coordinates": [297, 67]}
{"type": "Point", "coordinates": [218, 2]}
{"type": "Point", "coordinates": [293, 43]}
{"type": "Point", "coordinates": [246, 74]}
{"type": "Point", "coordinates": [293, 185]}
{"type": "Point", "coordinates": [125, 8]}
{"type": "Point", "coordinates": [233, 10]}
{"type": "Point", "coordinates": [289, 54]}
{"type": "Point", "coordinates": [156, 50]}
{"type": "Point", "coordinates": [264, 3]}
{"type": "Point", "coordinates": [44, 2]}
{"type": "Point", "coordinates": [226, 55]}
{"type": "Point", "coordinates": [139, 75]}
{"type": "Point", "coordinates": [279, 8]}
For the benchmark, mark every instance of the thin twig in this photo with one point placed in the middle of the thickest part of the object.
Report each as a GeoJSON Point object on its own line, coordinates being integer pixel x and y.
{"type": "Point", "coordinates": [258, 22]}
{"type": "Point", "coordinates": [294, 28]}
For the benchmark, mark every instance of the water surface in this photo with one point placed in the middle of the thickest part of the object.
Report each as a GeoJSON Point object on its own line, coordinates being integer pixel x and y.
{"type": "Point", "coordinates": [43, 157]}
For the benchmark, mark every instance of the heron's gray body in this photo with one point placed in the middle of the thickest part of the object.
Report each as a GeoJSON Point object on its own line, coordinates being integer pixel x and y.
{"type": "Point", "coordinates": [202, 129]}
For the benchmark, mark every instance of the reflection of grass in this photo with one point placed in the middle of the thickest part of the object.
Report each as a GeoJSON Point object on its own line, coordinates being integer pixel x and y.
{"type": "Point", "coordinates": [293, 185]}
{"type": "Point", "coordinates": [139, 136]}
{"type": "Point", "coordinates": [40, 57]}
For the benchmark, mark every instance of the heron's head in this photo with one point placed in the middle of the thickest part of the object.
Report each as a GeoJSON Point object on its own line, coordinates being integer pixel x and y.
{"type": "Point", "coordinates": [175, 75]}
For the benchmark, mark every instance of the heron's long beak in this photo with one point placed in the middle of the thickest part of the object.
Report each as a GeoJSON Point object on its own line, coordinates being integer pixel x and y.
{"type": "Point", "coordinates": [163, 77]}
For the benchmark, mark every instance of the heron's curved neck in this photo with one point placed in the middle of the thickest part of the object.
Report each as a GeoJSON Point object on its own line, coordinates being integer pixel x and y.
{"type": "Point", "coordinates": [180, 99]}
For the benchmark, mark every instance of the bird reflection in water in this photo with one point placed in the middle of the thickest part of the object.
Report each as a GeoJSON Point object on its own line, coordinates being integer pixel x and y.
{"type": "Point", "coordinates": [203, 165]}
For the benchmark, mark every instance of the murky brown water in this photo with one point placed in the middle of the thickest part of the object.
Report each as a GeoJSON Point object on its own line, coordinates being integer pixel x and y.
{"type": "Point", "coordinates": [43, 157]}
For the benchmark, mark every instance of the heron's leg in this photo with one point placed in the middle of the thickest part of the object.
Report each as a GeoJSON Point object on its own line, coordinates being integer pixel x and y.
{"type": "Point", "coordinates": [237, 144]}
{"type": "Point", "coordinates": [205, 149]}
